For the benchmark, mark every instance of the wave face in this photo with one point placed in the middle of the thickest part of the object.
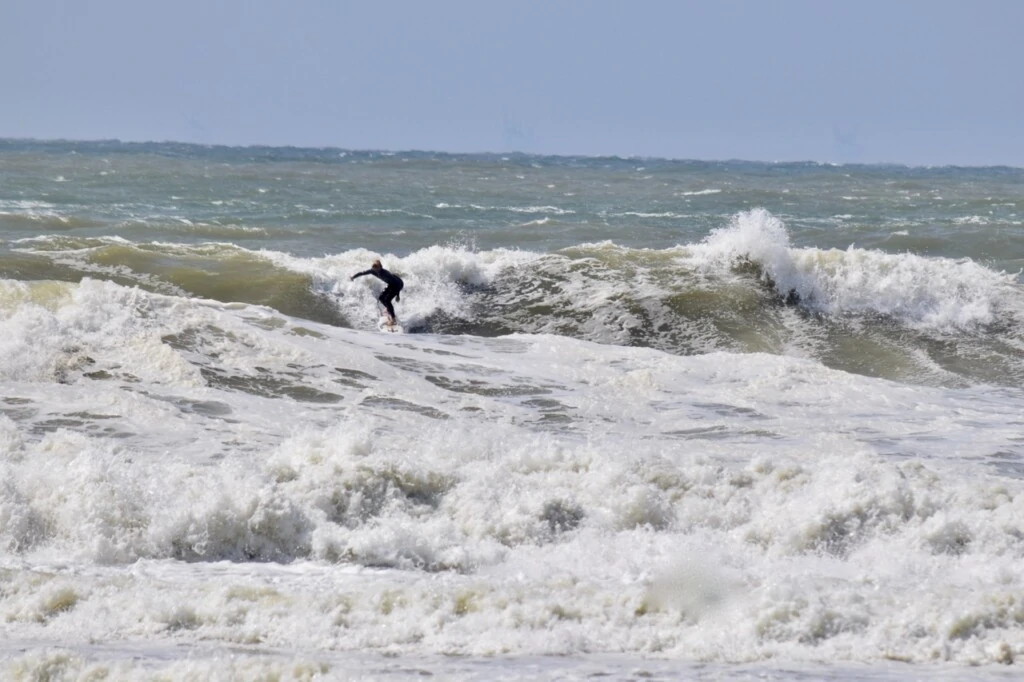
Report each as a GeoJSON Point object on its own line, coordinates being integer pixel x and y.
{"type": "Point", "coordinates": [743, 288]}
{"type": "Point", "coordinates": [628, 434]}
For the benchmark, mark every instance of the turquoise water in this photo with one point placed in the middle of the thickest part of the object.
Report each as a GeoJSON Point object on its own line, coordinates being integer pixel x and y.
{"type": "Point", "coordinates": [311, 201]}
{"type": "Point", "coordinates": [875, 261]}
{"type": "Point", "coordinates": [651, 418]}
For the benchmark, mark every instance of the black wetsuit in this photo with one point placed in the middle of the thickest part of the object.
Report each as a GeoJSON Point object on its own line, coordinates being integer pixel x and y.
{"type": "Point", "coordinates": [391, 291]}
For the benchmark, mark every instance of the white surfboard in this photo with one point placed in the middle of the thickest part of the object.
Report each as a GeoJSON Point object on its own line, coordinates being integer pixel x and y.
{"type": "Point", "coordinates": [385, 326]}
{"type": "Point", "coordinates": [383, 323]}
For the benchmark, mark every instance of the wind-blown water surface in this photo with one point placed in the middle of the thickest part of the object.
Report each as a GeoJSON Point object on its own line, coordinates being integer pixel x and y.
{"type": "Point", "coordinates": [659, 418]}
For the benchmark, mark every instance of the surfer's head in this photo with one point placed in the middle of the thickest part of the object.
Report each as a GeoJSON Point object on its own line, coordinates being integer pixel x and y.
{"type": "Point", "coordinates": [376, 265]}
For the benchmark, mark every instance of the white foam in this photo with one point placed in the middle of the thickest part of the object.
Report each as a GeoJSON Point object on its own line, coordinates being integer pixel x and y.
{"type": "Point", "coordinates": [645, 214]}
{"type": "Point", "coordinates": [527, 495]}
{"type": "Point", "coordinates": [433, 279]}
{"type": "Point", "coordinates": [931, 292]}
{"type": "Point", "coordinates": [554, 210]}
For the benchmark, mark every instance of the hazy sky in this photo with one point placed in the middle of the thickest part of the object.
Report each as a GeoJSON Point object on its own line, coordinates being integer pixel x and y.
{"type": "Point", "coordinates": [909, 81]}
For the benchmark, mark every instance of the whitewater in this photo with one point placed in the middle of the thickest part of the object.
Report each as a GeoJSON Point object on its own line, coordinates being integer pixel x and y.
{"type": "Point", "coordinates": [651, 419]}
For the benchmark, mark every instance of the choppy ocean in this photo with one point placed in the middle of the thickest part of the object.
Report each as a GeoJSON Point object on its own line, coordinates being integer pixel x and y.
{"type": "Point", "coordinates": [650, 419]}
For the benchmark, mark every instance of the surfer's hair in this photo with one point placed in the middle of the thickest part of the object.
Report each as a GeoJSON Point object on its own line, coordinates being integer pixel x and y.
{"type": "Point", "coordinates": [377, 264]}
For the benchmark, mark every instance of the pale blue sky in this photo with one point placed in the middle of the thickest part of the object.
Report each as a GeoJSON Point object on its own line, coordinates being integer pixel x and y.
{"type": "Point", "coordinates": [907, 81]}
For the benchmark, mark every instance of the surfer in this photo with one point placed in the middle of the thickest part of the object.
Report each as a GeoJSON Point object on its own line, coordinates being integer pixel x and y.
{"type": "Point", "coordinates": [391, 291]}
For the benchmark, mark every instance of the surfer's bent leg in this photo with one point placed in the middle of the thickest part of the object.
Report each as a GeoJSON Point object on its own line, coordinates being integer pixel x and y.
{"type": "Point", "coordinates": [385, 298]}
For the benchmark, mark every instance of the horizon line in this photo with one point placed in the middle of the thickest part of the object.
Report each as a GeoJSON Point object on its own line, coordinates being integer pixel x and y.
{"type": "Point", "coordinates": [386, 151]}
